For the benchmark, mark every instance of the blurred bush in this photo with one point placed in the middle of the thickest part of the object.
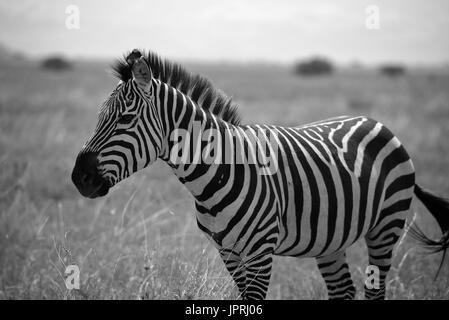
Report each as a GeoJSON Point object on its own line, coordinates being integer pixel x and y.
{"type": "Point", "coordinates": [392, 70]}
{"type": "Point", "coordinates": [56, 63]}
{"type": "Point", "coordinates": [313, 67]}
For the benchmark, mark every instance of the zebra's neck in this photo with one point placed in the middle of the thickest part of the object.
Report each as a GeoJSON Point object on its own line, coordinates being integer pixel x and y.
{"type": "Point", "coordinates": [185, 126]}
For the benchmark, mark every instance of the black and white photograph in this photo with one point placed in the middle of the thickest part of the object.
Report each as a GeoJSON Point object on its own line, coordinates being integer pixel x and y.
{"type": "Point", "coordinates": [224, 150]}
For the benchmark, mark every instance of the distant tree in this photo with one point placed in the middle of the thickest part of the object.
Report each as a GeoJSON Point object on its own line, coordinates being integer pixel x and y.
{"type": "Point", "coordinates": [314, 66]}
{"type": "Point", "coordinates": [392, 70]}
{"type": "Point", "coordinates": [57, 63]}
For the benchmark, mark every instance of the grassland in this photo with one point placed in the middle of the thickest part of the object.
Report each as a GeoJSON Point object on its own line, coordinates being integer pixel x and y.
{"type": "Point", "coordinates": [141, 241]}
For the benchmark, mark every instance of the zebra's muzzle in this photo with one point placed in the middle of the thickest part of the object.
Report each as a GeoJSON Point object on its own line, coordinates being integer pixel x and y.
{"type": "Point", "coordinates": [86, 178]}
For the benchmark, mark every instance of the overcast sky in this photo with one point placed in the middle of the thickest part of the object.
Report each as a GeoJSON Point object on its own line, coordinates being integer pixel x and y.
{"type": "Point", "coordinates": [411, 31]}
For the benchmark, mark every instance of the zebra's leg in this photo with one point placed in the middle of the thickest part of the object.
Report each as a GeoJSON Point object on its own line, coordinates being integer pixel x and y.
{"type": "Point", "coordinates": [236, 269]}
{"type": "Point", "coordinates": [258, 273]}
{"type": "Point", "coordinates": [381, 241]}
{"type": "Point", "coordinates": [335, 272]}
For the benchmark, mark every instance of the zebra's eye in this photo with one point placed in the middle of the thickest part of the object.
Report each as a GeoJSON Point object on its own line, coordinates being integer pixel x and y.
{"type": "Point", "coordinates": [126, 119]}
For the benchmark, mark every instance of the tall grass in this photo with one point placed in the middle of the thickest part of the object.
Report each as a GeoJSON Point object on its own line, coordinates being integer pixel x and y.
{"type": "Point", "coordinates": [141, 241]}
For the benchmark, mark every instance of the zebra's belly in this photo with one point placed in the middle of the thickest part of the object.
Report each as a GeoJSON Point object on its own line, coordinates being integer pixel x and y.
{"type": "Point", "coordinates": [324, 226]}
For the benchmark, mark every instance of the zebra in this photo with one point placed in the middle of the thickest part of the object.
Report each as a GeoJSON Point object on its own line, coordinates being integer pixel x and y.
{"type": "Point", "coordinates": [335, 181]}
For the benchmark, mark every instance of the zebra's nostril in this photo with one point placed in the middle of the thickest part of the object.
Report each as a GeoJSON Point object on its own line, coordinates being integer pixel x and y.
{"type": "Point", "coordinates": [84, 179]}
{"type": "Point", "coordinates": [90, 180]}
{"type": "Point", "coordinates": [87, 179]}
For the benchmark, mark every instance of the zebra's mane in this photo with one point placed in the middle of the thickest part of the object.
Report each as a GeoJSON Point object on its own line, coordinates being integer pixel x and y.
{"type": "Point", "coordinates": [197, 87]}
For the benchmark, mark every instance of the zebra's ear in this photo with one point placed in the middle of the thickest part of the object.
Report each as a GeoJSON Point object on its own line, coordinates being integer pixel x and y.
{"type": "Point", "coordinates": [140, 69]}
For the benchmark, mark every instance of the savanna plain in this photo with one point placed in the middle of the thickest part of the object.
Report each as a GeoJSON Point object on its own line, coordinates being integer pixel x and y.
{"type": "Point", "coordinates": [141, 240]}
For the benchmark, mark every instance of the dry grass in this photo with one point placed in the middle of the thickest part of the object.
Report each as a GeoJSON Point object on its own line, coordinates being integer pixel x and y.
{"type": "Point", "coordinates": [141, 241]}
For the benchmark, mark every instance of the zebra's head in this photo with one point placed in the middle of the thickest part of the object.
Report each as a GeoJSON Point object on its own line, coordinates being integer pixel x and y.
{"type": "Point", "coordinates": [127, 137]}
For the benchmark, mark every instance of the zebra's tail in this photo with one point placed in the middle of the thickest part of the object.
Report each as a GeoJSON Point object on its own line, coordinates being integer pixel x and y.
{"type": "Point", "coordinates": [439, 208]}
